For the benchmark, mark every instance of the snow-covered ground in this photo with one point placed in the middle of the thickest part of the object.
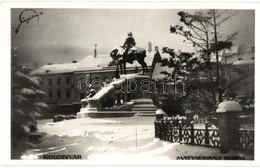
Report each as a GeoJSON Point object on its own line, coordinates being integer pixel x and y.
{"type": "Point", "coordinates": [112, 139]}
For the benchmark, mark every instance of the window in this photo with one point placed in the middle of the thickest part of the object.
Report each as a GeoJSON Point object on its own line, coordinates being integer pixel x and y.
{"type": "Point", "coordinates": [58, 81]}
{"type": "Point", "coordinates": [82, 95]}
{"type": "Point", "coordinates": [41, 81]}
{"type": "Point", "coordinates": [67, 80]}
{"type": "Point", "coordinates": [50, 81]}
{"type": "Point", "coordinates": [42, 96]}
{"type": "Point", "coordinates": [50, 94]}
{"type": "Point", "coordinates": [58, 94]}
{"type": "Point", "coordinates": [87, 77]}
{"type": "Point", "coordinates": [67, 94]}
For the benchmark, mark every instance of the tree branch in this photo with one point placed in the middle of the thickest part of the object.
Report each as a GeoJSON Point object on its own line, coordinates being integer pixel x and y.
{"type": "Point", "coordinates": [225, 19]}
{"type": "Point", "coordinates": [201, 38]}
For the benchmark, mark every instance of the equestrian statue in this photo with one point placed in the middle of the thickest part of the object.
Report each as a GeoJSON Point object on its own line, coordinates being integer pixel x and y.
{"type": "Point", "coordinates": [129, 53]}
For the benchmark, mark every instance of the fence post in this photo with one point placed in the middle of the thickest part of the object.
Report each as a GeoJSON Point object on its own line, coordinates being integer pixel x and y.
{"type": "Point", "coordinates": [171, 127]}
{"type": "Point", "coordinates": [195, 117]}
{"type": "Point", "coordinates": [159, 118]}
{"type": "Point", "coordinates": [227, 122]}
{"type": "Point", "coordinates": [206, 133]}
{"type": "Point", "coordinates": [156, 128]}
{"type": "Point", "coordinates": [192, 132]}
{"type": "Point", "coordinates": [164, 128]}
{"type": "Point", "coordinates": [176, 122]}
{"type": "Point", "coordinates": [180, 131]}
{"type": "Point", "coordinates": [159, 114]}
{"type": "Point", "coordinates": [160, 130]}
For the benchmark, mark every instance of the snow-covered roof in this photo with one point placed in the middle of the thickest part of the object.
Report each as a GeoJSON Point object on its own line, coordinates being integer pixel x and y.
{"type": "Point", "coordinates": [240, 59]}
{"type": "Point", "coordinates": [165, 55]}
{"type": "Point", "coordinates": [90, 62]}
{"type": "Point", "coordinates": [94, 63]}
{"type": "Point", "coordinates": [158, 69]}
{"type": "Point", "coordinates": [244, 62]}
{"type": "Point", "coordinates": [238, 55]}
{"type": "Point", "coordinates": [56, 68]}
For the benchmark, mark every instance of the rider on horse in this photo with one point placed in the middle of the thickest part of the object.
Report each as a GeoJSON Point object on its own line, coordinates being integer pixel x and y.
{"type": "Point", "coordinates": [121, 55]}
{"type": "Point", "coordinates": [129, 43]}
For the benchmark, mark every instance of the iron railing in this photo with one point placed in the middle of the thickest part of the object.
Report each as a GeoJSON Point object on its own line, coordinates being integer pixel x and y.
{"type": "Point", "coordinates": [183, 131]}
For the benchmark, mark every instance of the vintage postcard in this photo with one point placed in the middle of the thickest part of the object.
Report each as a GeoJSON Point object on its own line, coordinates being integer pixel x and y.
{"type": "Point", "coordinates": [129, 83]}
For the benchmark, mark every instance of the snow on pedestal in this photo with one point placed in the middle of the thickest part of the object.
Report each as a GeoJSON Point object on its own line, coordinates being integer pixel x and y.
{"type": "Point", "coordinates": [94, 107]}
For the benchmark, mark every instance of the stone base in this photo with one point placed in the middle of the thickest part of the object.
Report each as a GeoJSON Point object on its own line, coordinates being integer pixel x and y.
{"type": "Point", "coordinates": [105, 114]}
{"type": "Point", "coordinates": [84, 112]}
{"type": "Point", "coordinates": [124, 110]}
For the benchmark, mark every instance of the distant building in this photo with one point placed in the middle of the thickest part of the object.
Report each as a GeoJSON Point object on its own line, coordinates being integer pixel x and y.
{"type": "Point", "coordinates": [67, 84]}
{"type": "Point", "coordinates": [241, 58]}
{"type": "Point", "coordinates": [245, 63]}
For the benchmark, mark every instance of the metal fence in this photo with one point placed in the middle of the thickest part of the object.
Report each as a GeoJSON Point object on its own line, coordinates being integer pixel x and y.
{"type": "Point", "coordinates": [183, 131]}
{"type": "Point", "coordinates": [245, 139]}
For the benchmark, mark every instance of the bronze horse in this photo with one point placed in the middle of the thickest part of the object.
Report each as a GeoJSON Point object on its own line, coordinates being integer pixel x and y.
{"type": "Point", "coordinates": [133, 54]}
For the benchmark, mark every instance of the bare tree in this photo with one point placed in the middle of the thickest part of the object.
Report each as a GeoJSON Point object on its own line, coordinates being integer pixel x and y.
{"type": "Point", "coordinates": [203, 29]}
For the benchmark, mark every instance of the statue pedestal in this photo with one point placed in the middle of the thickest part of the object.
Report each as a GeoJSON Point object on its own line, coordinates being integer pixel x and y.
{"type": "Point", "coordinates": [84, 113]}
{"type": "Point", "coordinates": [102, 103]}
{"type": "Point", "coordinates": [91, 108]}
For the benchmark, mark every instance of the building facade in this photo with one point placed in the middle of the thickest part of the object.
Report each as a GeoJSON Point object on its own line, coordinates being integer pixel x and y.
{"type": "Point", "coordinates": [65, 85]}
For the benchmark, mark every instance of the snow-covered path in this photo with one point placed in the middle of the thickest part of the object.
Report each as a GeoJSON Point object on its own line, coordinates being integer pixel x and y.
{"type": "Point", "coordinates": [128, 139]}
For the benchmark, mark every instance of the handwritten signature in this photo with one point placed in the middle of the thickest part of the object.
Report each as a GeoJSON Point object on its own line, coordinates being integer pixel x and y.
{"type": "Point", "coordinates": [25, 17]}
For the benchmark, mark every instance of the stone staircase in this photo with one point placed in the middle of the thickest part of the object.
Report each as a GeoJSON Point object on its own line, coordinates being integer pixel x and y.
{"type": "Point", "coordinates": [144, 107]}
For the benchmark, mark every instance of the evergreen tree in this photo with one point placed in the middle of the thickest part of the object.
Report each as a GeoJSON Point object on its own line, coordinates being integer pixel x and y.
{"type": "Point", "coordinates": [24, 107]}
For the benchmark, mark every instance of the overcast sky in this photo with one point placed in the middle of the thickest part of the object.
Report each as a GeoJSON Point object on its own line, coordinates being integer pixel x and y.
{"type": "Point", "coordinates": [62, 35]}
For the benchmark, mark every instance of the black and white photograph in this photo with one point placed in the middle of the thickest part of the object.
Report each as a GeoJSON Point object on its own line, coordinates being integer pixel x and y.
{"type": "Point", "coordinates": [131, 85]}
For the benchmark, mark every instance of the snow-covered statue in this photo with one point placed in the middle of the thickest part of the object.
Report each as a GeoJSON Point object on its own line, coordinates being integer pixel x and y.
{"type": "Point", "coordinates": [91, 92]}
{"type": "Point", "coordinates": [129, 53]}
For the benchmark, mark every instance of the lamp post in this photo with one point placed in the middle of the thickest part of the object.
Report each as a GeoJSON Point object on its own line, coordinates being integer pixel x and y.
{"type": "Point", "coordinates": [95, 50]}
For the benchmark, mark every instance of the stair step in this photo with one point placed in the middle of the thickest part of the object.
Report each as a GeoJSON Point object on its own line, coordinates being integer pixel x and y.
{"type": "Point", "coordinates": [146, 115]}
{"type": "Point", "coordinates": [144, 112]}
{"type": "Point", "coordinates": [144, 106]}
{"type": "Point", "coordinates": [143, 101]}
{"type": "Point", "coordinates": [144, 109]}
{"type": "Point", "coordinates": [147, 103]}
